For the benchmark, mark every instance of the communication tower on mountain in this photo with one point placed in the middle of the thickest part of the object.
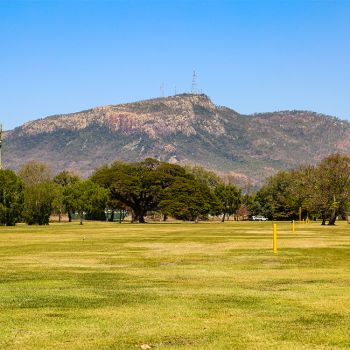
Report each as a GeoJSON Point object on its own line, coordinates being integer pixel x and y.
{"type": "Point", "coordinates": [194, 83]}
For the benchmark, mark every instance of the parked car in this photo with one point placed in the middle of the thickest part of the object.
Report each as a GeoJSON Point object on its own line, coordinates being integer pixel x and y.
{"type": "Point", "coordinates": [259, 218]}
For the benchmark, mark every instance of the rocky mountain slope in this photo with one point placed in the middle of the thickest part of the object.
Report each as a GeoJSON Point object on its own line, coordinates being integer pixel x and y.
{"type": "Point", "coordinates": [186, 128]}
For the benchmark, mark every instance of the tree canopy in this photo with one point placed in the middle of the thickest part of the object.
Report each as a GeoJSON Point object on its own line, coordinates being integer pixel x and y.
{"type": "Point", "coordinates": [150, 185]}
{"type": "Point", "coordinates": [85, 196]}
{"type": "Point", "coordinates": [38, 200]}
{"type": "Point", "coordinates": [11, 198]}
{"type": "Point", "coordinates": [229, 199]}
{"type": "Point", "coordinates": [35, 172]}
{"type": "Point", "coordinates": [186, 193]}
{"type": "Point", "coordinates": [320, 191]}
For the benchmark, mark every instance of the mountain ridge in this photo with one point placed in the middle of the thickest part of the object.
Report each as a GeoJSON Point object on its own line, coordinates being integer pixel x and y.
{"type": "Point", "coordinates": [185, 128]}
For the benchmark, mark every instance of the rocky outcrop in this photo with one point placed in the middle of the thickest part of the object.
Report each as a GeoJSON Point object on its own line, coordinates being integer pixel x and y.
{"type": "Point", "coordinates": [186, 128]}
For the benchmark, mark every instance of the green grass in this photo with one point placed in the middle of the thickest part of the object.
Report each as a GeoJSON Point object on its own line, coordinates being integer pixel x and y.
{"type": "Point", "coordinates": [174, 286]}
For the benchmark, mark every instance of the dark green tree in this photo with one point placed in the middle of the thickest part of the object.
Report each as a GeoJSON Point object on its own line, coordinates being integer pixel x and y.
{"type": "Point", "coordinates": [38, 200]}
{"type": "Point", "coordinates": [58, 204]}
{"type": "Point", "coordinates": [66, 178]}
{"type": "Point", "coordinates": [138, 186]}
{"type": "Point", "coordinates": [187, 199]}
{"type": "Point", "coordinates": [63, 180]}
{"type": "Point", "coordinates": [332, 187]}
{"type": "Point", "coordinates": [11, 197]}
{"type": "Point", "coordinates": [229, 198]}
{"type": "Point", "coordinates": [276, 199]}
{"type": "Point", "coordinates": [85, 196]}
{"type": "Point", "coordinates": [320, 191]}
{"type": "Point", "coordinates": [39, 193]}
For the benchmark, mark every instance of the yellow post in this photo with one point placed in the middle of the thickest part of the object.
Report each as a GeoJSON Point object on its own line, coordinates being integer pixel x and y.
{"type": "Point", "coordinates": [293, 227]}
{"type": "Point", "coordinates": [275, 238]}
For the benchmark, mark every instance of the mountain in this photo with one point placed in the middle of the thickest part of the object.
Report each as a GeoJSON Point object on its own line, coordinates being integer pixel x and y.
{"type": "Point", "coordinates": [186, 128]}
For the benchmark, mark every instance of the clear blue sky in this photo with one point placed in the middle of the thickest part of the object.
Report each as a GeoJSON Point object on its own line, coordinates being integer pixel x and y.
{"type": "Point", "coordinates": [252, 56]}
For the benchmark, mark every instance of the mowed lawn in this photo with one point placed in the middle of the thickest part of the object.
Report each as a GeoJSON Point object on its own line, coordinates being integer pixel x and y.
{"type": "Point", "coordinates": [174, 286]}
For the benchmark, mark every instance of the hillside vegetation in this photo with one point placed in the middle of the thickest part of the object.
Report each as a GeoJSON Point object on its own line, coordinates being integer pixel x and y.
{"type": "Point", "coordinates": [186, 128]}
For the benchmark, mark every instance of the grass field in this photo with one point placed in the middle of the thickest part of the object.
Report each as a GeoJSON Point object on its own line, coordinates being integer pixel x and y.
{"type": "Point", "coordinates": [174, 286]}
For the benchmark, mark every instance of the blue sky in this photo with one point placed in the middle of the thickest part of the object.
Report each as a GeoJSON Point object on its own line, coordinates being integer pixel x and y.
{"type": "Point", "coordinates": [252, 56]}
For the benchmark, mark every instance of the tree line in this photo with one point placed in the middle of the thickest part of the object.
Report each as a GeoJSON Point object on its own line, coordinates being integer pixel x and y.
{"type": "Point", "coordinates": [187, 193]}
{"type": "Point", "coordinates": [319, 192]}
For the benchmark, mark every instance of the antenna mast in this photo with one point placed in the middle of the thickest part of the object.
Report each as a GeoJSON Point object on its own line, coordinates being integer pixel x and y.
{"type": "Point", "coordinates": [194, 83]}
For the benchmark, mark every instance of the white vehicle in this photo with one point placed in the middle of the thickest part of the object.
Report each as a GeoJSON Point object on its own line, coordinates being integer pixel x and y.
{"type": "Point", "coordinates": [259, 218]}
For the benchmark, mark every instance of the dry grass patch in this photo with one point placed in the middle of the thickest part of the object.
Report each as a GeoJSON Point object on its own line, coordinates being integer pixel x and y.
{"type": "Point", "coordinates": [174, 286]}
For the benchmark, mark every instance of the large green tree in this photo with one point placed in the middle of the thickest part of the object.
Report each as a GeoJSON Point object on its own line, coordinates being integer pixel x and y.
{"type": "Point", "coordinates": [321, 191]}
{"type": "Point", "coordinates": [38, 200]}
{"type": "Point", "coordinates": [63, 180]}
{"type": "Point", "coordinates": [275, 199]}
{"type": "Point", "coordinates": [85, 196]}
{"type": "Point", "coordinates": [66, 178]}
{"type": "Point", "coordinates": [138, 186]}
{"type": "Point", "coordinates": [11, 197]}
{"type": "Point", "coordinates": [229, 199]}
{"type": "Point", "coordinates": [39, 193]}
{"type": "Point", "coordinates": [187, 199]}
{"type": "Point", "coordinates": [332, 187]}
{"type": "Point", "coordinates": [58, 203]}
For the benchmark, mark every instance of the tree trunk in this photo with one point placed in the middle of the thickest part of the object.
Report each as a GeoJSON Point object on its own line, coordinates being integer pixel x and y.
{"type": "Point", "coordinates": [134, 218]}
{"type": "Point", "coordinates": [59, 217]}
{"type": "Point", "coordinates": [323, 220]}
{"type": "Point", "coordinates": [69, 216]}
{"type": "Point", "coordinates": [333, 218]}
{"type": "Point", "coordinates": [141, 215]}
{"type": "Point", "coordinates": [223, 217]}
{"type": "Point", "coordinates": [138, 216]}
{"type": "Point", "coordinates": [81, 219]}
{"type": "Point", "coordinates": [165, 217]}
{"type": "Point", "coordinates": [141, 219]}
